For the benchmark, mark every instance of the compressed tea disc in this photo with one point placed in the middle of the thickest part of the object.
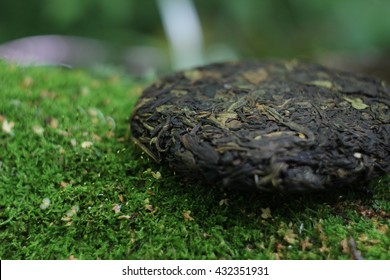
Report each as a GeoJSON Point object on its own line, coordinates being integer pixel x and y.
{"type": "Point", "coordinates": [266, 125]}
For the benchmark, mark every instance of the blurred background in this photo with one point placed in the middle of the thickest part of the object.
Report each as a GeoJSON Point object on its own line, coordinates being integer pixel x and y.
{"type": "Point", "coordinates": [157, 36]}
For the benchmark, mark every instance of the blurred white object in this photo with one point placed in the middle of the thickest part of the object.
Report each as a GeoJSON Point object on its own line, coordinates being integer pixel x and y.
{"type": "Point", "coordinates": [182, 26]}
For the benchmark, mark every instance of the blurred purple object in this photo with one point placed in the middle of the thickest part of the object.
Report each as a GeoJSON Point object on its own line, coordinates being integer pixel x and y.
{"type": "Point", "coordinates": [54, 50]}
{"type": "Point", "coordinates": [73, 51]}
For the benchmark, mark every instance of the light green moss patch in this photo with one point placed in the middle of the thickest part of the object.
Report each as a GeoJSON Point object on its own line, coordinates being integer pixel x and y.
{"type": "Point", "coordinates": [72, 185]}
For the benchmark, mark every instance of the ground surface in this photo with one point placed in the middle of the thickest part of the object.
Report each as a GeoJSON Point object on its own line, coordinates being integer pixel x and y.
{"type": "Point", "coordinates": [72, 185]}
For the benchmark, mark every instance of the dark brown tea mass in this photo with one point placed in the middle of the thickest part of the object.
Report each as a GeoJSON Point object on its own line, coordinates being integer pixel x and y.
{"type": "Point", "coordinates": [283, 126]}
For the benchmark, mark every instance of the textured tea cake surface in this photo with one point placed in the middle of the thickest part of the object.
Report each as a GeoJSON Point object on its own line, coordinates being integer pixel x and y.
{"type": "Point", "coordinates": [284, 126]}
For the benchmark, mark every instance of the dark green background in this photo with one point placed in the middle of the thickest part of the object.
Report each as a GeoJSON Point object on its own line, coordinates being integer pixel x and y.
{"type": "Point", "coordinates": [250, 28]}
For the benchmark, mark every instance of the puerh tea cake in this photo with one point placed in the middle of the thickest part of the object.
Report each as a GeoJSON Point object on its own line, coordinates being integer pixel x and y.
{"type": "Point", "coordinates": [267, 125]}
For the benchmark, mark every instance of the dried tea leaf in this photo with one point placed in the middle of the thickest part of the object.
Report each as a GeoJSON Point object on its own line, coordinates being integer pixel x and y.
{"type": "Point", "coordinates": [324, 249]}
{"type": "Point", "coordinates": [383, 229]}
{"type": "Point", "coordinates": [45, 203]}
{"type": "Point", "coordinates": [53, 123]}
{"type": "Point", "coordinates": [187, 216]}
{"type": "Point", "coordinates": [64, 184]}
{"type": "Point", "coordinates": [39, 130]}
{"type": "Point", "coordinates": [363, 237]}
{"type": "Point", "coordinates": [306, 244]}
{"type": "Point", "coordinates": [290, 236]}
{"type": "Point", "coordinates": [193, 75]}
{"type": "Point", "coordinates": [124, 217]}
{"type": "Point", "coordinates": [73, 142]}
{"type": "Point", "coordinates": [344, 246]}
{"type": "Point", "coordinates": [27, 82]}
{"type": "Point", "coordinates": [156, 175]}
{"type": "Point", "coordinates": [149, 207]}
{"type": "Point", "coordinates": [86, 144]}
{"type": "Point", "coordinates": [322, 83]}
{"type": "Point", "coordinates": [256, 76]}
{"type": "Point", "coordinates": [356, 103]}
{"type": "Point", "coordinates": [224, 201]}
{"type": "Point", "coordinates": [7, 127]}
{"type": "Point", "coordinates": [116, 208]}
{"type": "Point", "coordinates": [66, 218]}
{"type": "Point", "coordinates": [152, 193]}
{"type": "Point", "coordinates": [266, 213]}
{"type": "Point", "coordinates": [128, 217]}
{"type": "Point", "coordinates": [74, 209]}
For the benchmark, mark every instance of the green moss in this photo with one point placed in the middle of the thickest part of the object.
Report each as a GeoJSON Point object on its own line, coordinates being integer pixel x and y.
{"type": "Point", "coordinates": [65, 137]}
